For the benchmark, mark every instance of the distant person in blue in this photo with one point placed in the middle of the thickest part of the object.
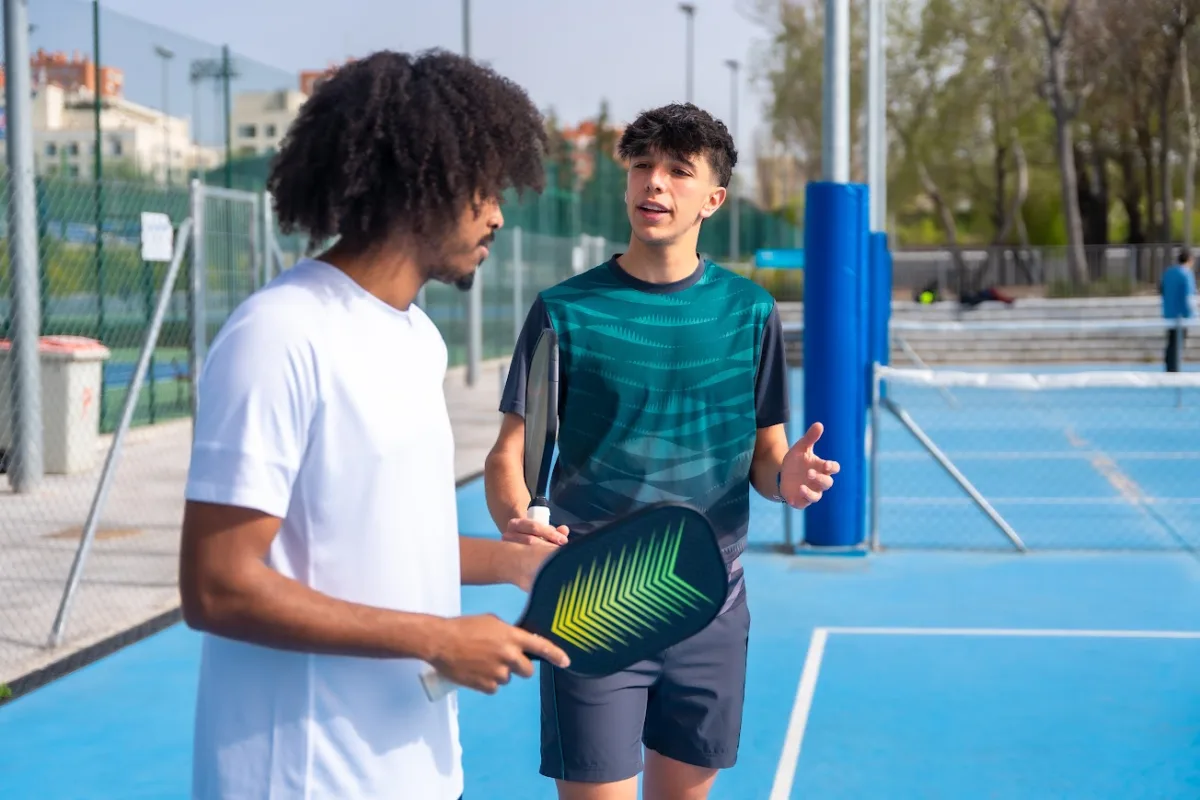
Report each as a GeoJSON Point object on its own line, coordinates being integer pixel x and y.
{"type": "Point", "coordinates": [1178, 291]}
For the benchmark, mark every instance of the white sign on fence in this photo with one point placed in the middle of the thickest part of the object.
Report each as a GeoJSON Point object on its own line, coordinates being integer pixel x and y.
{"type": "Point", "coordinates": [158, 237]}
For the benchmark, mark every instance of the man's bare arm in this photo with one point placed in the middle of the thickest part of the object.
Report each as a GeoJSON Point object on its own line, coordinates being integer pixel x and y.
{"type": "Point", "coordinates": [504, 473]}
{"type": "Point", "coordinates": [227, 589]}
{"type": "Point", "coordinates": [504, 484]}
{"type": "Point", "coordinates": [484, 562]}
{"type": "Point", "coordinates": [770, 446]}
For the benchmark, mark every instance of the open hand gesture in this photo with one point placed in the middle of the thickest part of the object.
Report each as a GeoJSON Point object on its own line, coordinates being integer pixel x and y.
{"type": "Point", "coordinates": [805, 476]}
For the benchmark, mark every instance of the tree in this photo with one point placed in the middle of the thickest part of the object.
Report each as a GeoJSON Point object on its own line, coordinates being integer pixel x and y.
{"type": "Point", "coordinates": [1189, 169]}
{"type": "Point", "coordinates": [1064, 105]}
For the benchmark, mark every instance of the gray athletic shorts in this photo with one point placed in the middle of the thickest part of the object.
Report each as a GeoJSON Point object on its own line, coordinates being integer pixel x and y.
{"type": "Point", "coordinates": [686, 705]}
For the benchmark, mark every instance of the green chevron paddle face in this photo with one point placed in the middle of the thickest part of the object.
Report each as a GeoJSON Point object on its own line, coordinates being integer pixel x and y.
{"type": "Point", "coordinates": [629, 590]}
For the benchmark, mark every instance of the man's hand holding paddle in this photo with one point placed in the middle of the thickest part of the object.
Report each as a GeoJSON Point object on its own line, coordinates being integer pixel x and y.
{"type": "Point", "coordinates": [482, 651]}
{"type": "Point", "coordinates": [528, 531]}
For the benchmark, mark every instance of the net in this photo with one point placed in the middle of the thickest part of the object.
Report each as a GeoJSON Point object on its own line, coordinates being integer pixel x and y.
{"type": "Point", "coordinates": [1054, 459]}
{"type": "Point", "coordinates": [1040, 341]}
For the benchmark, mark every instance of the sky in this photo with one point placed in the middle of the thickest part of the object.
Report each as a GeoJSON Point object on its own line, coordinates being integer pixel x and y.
{"type": "Point", "coordinates": [568, 54]}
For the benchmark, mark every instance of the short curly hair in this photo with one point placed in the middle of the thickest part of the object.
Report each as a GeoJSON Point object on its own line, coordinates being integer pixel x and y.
{"type": "Point", "coordinates": [399, 142]}
{"type": "Point", "coordinates": [681, 130]}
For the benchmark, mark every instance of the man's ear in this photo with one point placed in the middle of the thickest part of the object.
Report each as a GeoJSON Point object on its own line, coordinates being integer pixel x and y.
{"type": "Point", "coordinates": [716, 199]}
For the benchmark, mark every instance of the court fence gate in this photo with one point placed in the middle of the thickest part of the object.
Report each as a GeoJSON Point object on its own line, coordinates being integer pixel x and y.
{"type": "Point", "coordinates": [231, 239]}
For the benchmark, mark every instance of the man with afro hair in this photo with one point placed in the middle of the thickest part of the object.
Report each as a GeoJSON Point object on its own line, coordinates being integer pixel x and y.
{"type": "Point", "coordinates": [320, 553]}
{"type": "Point", "coordinates": [674, 387]}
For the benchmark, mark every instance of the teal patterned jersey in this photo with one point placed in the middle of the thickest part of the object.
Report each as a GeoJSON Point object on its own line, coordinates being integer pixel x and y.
{"type": "Point", "coordinates": [663, 388]}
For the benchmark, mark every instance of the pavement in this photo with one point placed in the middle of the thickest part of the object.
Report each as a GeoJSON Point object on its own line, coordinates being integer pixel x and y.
{"type": "Point", "coordinates": [129, 579]}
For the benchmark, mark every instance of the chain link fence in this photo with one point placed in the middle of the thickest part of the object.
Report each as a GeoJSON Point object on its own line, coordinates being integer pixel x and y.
{"type": "Point", "coordinates": [129, 119]}
{"type": "Point", "coordinates": [90, 552]}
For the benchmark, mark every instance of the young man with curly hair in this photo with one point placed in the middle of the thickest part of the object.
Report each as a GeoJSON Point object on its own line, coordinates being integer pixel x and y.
{"type": "Point", "coordinates": [320, 550]}
{"type": "Point", "coordinates": [674, 387]}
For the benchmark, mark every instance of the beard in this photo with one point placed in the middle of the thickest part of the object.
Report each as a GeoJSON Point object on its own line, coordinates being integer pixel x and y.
{"type": "Point", "coordinates": [440, 264]}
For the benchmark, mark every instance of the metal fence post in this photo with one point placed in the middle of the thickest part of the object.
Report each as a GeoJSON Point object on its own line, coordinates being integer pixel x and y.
{"type": "Point", "coordinates": [475, 328]}
{"type": "Point", "coordinates": [25, 465]}
{"type": "Point", "coordinates": [518, 289]}
{"type": "Point", "coordinates": [199, 280]}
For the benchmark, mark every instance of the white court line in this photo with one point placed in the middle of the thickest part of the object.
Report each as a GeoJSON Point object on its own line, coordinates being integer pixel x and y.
{"type": "Point", "coordinates": [1076, 633]}
{"type": "Point", "coordinates": [1037, 501]}
{"type": "Point", "coordinates": [1041, 455]}
{"type": "Point", "coordinates": [789, 758]}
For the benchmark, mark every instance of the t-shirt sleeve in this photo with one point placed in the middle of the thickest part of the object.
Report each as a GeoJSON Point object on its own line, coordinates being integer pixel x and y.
{"type": "Point", "coordinates": [536, 321]}
{"type": "Point", "coordinates": [771, 398]}
{"type": "Point", "coordinates": [257, 401]}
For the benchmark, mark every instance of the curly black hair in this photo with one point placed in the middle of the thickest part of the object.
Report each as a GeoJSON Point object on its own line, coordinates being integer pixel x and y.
{"type": "Point", "coordinates": [400, 142]}
{"type": "Point", "coordinates": [682, 130]}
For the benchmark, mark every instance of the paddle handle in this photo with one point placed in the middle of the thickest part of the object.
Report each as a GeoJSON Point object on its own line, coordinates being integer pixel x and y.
{"type": "Point", "coordinates": [437, 687]}
{"type": "Point", "coordinates": [539, 511]}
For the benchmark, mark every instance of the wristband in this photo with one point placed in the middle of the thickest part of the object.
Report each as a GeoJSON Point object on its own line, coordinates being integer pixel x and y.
{"type": "Point", "coordinates": [778, 498]}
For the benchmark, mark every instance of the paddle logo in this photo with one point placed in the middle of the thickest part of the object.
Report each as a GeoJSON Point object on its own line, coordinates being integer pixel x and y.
{"type": "Point", "coordinates": [625, 595]}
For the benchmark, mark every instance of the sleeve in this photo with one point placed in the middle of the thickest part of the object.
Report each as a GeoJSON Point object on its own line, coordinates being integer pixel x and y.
{"type": "Point", "coordinates": [257, 401]}
{"type": "Point", "coordinates": [536, 321]}
{"type": "Point", "coordinates": [772, 402]}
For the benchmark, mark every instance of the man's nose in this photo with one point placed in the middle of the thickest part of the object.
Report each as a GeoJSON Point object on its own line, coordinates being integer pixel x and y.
{"type": "Point", "coordinates": [656, 180]}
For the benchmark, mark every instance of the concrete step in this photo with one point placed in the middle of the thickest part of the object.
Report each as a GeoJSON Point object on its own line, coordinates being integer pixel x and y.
{"type": "Point", "coordinates": [1105, 308]}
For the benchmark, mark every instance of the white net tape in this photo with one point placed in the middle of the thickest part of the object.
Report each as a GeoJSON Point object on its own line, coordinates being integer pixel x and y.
{"type": "Point", "coordinates": [1081, 326]}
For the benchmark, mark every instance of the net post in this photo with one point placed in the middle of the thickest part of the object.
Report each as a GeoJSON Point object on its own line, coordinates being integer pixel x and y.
{"type": "Point", "coordinates": [876, 391]}
{"type": "Point", "coordinates": [836, 361]}
{"type": "Point", "coordinates": [1181, 349]}
{"type": "Point", "coordinates": [880, 301]}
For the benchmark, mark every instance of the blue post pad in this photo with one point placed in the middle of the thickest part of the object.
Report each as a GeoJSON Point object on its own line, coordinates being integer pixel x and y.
{"type": "Point", "coordinates": [881, 302]}
{"type": "Point", "coordinates": [836, 355]}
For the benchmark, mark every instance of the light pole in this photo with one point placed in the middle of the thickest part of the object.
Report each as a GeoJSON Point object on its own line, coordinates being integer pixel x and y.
{"type": "Point", "coordinates": [466, 25]}
{"type": "Point", "coordinates": [26, 466]}
{"type": "Point", "coordinates": [220, 70]}
{"type": "Point", "coordinates": [689, 10]}
{"type": "Point", "coordinates": [475, 293]}
{"type": "Point", "coordinates": [166, 56]}
{"type": "Point", "coordinates": [877, 113]}
{"type": "Point", "coordinates": [734, 210]}
{"type": "Point", "coordinates": [835, 115]}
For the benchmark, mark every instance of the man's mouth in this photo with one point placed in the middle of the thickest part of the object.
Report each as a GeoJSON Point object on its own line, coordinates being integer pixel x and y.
{"type": "Point", "coordinates": [651, 210]}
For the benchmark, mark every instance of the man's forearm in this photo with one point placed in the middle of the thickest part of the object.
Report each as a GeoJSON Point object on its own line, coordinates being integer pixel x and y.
{"type": "Point", "coordinates": [266, 608]}
{"type": "Point", "coordinates": [764, 471]}
{"type": "Point", "coordinates": [767, 461]}
{"type": "Point", "coordinates": [507, 496]}
{"type": "Point", "coordinates": [483, 562]}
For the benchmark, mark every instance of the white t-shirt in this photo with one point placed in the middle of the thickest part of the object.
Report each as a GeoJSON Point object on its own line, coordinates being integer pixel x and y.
{"type": "Point", "coordinates": [324, 406]}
